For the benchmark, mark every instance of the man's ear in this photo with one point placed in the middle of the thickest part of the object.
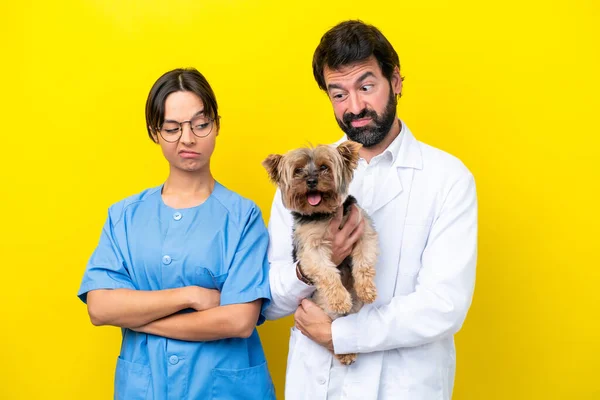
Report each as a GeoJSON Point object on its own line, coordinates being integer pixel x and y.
{"type": "Point", "coordinates": [271, 164]}
{"type": "Point", "coordinates": [349, 152]}
{"type": "Point", "coordinates": [396, 82]}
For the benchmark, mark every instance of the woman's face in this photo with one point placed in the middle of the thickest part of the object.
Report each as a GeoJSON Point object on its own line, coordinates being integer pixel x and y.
{"type": "Point", "coordinates": [191, 152]}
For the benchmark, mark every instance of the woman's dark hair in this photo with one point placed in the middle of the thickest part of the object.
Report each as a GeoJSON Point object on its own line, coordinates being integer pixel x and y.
{"type": "Point", "coordinates": [350, 42]}
{"type": "Point", "coordinates": [181, 79]}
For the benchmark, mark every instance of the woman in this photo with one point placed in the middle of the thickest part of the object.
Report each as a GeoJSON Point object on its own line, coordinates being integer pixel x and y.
{"type": "Point", "coordinates": [182, 267]}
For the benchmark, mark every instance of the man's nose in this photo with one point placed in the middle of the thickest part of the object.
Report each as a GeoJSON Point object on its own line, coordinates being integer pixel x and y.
{"type": "Point", "coordinates": [355, 103]}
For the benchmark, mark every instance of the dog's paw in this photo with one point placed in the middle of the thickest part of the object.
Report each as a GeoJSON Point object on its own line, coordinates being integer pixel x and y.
{"type": "Point", "coordinates": [340, 302]}
{"type": "Point", "coordinates": [367, 292]}
{"type": "Point", "coordinates": [346, 359]}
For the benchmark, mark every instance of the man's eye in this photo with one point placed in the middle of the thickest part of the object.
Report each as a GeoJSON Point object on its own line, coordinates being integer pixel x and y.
{"type": "Point", "coordinates": [366, 88]}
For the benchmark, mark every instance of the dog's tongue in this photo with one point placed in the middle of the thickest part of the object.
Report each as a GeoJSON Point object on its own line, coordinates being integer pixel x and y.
{"type": "Point", "coordinates": [314, 199]}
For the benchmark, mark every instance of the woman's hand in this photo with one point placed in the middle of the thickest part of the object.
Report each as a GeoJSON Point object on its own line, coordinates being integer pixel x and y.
{"type": "Point", "coordinates": [201, 299]}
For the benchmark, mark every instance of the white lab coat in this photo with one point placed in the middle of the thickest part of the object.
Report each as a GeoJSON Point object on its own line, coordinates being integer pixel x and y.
{"type": "Point", "coordinates": [426, 217]}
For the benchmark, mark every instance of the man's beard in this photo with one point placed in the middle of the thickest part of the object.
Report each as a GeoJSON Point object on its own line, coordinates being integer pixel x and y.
{"type": "Point", "coordinates": [377, 129]}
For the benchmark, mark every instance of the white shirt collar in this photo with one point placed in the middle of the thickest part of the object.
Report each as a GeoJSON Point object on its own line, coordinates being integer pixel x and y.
{"type": "Point", "coordinates": [392, 151]}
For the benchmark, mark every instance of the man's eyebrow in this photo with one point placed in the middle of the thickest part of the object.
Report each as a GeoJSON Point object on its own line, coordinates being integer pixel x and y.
{"type": "Point", "coordinates": [193, 116]}
{"type": "Point", "coordinates": [365, 76]}
{"type": "Point", "coordinates": [360, 79]}
{"type": "Point", "coordinates": [333, 86]}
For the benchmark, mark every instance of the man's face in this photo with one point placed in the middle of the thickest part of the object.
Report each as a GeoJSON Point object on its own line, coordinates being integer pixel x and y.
{"type": "Point", "coordinates": [364, 101]}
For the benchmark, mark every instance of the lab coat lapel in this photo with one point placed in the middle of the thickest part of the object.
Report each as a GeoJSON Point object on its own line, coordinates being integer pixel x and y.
{"type": "Point", "coordinates": [408, 158]}
{"type": "Point", "coordinates": [392, 187]}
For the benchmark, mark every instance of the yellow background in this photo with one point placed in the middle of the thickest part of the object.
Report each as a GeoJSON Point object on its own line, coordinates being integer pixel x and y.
{"type": "Point", "coordinates": [510, 87]}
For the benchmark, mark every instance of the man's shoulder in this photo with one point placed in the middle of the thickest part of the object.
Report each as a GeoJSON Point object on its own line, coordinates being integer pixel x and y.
{"type": "Point", "coordinates": [442, 162]}
{"type": "Point", "coordinates": [440, 170]}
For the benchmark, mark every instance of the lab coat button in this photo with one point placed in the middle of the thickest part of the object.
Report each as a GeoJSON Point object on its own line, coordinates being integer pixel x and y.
{"type": "Point", "coordinates": [173, 360]}
{"type": "Point", "coordinates": [166, 260]}
{"type": "Point", "coordinates": [177, 216]}
{"type": "Point", "coordinates": [321, 381]}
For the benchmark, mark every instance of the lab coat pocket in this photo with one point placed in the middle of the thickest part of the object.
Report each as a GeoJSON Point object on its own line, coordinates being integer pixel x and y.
{"type": "Point", "coordinates": [248, 383]}
{"type": "Point", "coordinates": [131, 380]}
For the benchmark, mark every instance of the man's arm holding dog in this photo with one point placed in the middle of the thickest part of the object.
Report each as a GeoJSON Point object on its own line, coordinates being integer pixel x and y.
{"type": "Point", "coordinates": [441, 299]}
{"type": "Point", "coordinates": [287, 288]}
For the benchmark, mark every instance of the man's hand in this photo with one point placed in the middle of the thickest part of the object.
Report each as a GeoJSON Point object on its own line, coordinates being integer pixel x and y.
{"type": "Point", "coordinates": [314, 323]}
{"type": "Point", "coordinates": [201, 299]}
{"type": "Point", "coordinates": [342, 240]}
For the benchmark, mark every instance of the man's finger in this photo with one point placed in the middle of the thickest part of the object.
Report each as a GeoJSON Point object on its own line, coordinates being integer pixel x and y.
{"type": "Point", "coordinates": [306, 304]}
{"type": "Point", "coordinates": [335, 223]}
{"type": "Point", "coordinates": [354, 236]}
{"type": "Point", "coordinates": [352, 222]}
{"type": "Point", "coordinates": [299, 312]}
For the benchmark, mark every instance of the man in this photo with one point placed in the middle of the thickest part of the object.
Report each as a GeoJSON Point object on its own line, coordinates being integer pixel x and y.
{"type": "Point", "coordinates": [424, 207]}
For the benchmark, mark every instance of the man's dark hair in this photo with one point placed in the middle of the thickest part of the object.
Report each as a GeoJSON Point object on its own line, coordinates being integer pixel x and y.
{"type": "Point", "coordinates": [350, 42]}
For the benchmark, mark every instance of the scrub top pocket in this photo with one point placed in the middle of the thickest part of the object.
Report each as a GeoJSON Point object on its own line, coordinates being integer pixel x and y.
{"type": "Point", "coordinates": [206, 279]}
{"type": "Point", "coordinates": [132, 380]}
{"type": "Point", "coordinates": [248, 383]}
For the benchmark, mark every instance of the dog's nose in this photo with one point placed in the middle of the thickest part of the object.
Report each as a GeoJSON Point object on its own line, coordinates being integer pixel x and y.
{"type": "Point", "coordinates": [312, 183]}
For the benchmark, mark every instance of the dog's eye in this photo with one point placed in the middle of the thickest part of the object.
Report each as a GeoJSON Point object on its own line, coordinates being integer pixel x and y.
{"type": "Point", "coordinates": [297, 171]}
{"type": "Point", "coordinates": [324, 168]}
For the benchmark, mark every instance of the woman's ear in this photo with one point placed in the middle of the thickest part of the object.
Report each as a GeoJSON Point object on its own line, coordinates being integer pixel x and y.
{"type": "Point", "coordinates": [154, 134]}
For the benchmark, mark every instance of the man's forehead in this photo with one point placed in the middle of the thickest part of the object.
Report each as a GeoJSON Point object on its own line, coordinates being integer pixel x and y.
{"type": "Point", "coordinates": [352, 71]}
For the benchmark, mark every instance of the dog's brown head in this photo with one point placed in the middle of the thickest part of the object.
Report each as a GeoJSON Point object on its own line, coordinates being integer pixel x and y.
{"type": "Point", "coordinates": [314, 180]}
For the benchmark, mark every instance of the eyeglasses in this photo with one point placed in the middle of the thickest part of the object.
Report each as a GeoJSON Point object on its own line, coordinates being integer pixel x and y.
{"type": "Point", "coordinates": [201, 127]}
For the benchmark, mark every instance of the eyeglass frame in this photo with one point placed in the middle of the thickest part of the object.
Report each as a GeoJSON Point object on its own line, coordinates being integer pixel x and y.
{"type": "Point", "coordinates": [210, 120]}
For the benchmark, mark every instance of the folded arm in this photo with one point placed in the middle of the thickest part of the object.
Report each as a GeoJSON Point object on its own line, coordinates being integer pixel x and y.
{"type": "Point", "coordinates": [230, 321]}
{"type": "Point", "coordinates": [128, 308]}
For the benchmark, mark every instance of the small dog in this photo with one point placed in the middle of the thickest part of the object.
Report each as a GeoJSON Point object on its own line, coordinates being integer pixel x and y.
{"type": "Point", "coordinates": [314, 184]}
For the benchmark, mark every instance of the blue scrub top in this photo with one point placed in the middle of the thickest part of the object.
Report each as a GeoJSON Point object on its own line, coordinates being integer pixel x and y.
{"type": "Point", "coordinates": [220, 244]}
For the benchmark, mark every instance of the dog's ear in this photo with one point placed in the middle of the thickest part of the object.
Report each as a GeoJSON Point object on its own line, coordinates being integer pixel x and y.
{"type": "Point", "coordinates": [349, 152]}
{"type": "Point", "coordinates": [271, 164]}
